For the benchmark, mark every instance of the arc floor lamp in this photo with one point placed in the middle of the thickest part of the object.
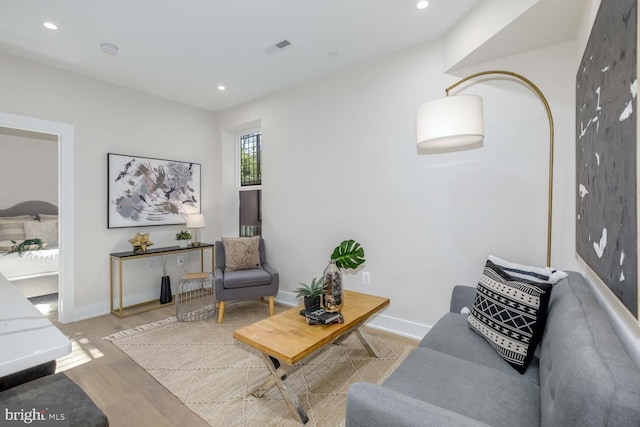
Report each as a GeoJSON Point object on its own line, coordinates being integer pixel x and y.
{"type": "Point", "coordinates": [456, 122]}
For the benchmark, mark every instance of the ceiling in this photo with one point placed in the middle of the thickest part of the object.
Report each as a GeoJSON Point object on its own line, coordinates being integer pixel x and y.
{"type": "Point", "coordinates": [182, 50]}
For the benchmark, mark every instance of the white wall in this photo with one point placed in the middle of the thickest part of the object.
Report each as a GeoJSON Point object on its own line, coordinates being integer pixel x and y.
{"type": "Point", "coordinates": [340, 161]}
{"type": "Point", "coordinates": [108, 118]}
{"type": "Point", "coordinates": [485, 20]}
{"type": "Point", "coordinates": [28, 167]}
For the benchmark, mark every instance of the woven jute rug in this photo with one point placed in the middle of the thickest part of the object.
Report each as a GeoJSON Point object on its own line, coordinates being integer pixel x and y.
{"type": "Point", "coordinates": [210, 372]}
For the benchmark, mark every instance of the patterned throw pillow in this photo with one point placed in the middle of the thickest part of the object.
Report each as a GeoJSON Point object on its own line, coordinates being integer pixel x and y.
{"type": "Point", "coordinates": [241, 253]}
{"type": "Point", "coordinates": [534, 274]}
{"type": "Point", "coordinates": [510, 313]}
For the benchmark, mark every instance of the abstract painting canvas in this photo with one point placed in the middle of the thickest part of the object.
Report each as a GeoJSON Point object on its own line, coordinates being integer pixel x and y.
{"type": "Point", "coordinates": [606, 156]}
{"type": "Point", "coordinates": [145, 191]}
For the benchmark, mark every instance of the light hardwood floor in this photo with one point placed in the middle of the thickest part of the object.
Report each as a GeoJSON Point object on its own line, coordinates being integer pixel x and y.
{"type": "Point", "coordinates": [120, 387]}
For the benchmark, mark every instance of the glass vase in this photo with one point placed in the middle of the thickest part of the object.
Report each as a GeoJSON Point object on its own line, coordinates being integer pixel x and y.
{"type": "Point", "coordinates": [333, 300]}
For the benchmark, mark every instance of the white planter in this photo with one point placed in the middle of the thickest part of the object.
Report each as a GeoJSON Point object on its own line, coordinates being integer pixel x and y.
{"type": "Point", "coordinates": [183, 243]}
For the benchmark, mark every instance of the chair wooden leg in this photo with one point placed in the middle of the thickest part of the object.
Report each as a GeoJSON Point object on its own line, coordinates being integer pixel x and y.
{"type": "Point", "coordinates": [271, 305]}
{"type": "Point", "coordinates": [220, 311]}
{"type": "Point", "coordinates": [217, 304]}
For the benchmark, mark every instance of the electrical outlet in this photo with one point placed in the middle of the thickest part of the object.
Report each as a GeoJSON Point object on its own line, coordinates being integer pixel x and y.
{"type": "Point", "coordinates": [180, 259]}
{"type": "Point", "coordinates": [150, 264]}
{"type": "Point", "coordinates": [366, 277]}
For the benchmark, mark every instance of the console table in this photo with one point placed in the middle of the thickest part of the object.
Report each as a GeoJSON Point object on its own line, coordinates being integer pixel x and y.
{"type": "Point", "coordinates": [119, 257]}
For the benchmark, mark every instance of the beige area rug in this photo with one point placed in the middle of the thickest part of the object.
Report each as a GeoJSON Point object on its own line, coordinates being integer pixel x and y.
{"type": "Point", "coordinates": [210, 372]}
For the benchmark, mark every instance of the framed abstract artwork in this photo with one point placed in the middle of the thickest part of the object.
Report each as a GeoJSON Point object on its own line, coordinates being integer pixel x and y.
{"type": "Point", "coordinates": [606, 151]}
{"type": "Point", "coordinates": [145, 191]}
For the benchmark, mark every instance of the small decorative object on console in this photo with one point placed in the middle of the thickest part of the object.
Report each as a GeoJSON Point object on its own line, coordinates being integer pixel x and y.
{"type": "Point", "coordinates": [166, 295]}
{"type": "Point", "coordinates": [183, 238]}
{"type": "Point", "coordinates": [140, 243]}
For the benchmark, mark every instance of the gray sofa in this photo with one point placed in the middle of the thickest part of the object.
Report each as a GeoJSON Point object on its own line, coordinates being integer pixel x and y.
{"type": "Point", "coordinates": [581, 376]}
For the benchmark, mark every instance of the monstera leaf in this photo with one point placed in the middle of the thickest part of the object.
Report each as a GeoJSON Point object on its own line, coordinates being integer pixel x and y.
{"type": "Point", "coordinates": [349, 254]}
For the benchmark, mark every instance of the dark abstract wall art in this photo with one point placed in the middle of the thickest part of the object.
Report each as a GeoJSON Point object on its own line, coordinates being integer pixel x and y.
{"type": "Point", "coordinates": [606, 152]}
{"type": "Point", "coordinates": [146, 191]}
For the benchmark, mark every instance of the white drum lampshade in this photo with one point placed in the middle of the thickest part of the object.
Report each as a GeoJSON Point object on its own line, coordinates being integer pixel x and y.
{"type": "Point", "coordinates": [196, 222]}
{"type": "Point", "coordinates": [450, 123]}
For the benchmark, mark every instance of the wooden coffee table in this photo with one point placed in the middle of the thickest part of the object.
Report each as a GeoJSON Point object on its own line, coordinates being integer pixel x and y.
{"type": "Point", "coordinates": [287, 338]}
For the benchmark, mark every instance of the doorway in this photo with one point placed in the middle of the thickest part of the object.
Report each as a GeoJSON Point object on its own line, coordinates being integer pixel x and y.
{"type": "Point", "coordinates": [30, 162]}
{"type": "Point", "coordinates": [65, 155]}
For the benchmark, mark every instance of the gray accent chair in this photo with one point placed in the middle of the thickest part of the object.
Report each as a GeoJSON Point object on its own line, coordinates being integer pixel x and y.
{"type": "Point", "coordinates": [244, 284]}
{"type": "Point", "coordinates": [582, 375]}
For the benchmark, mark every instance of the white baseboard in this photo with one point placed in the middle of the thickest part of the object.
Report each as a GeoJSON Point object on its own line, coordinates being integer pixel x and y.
{"type": "Point", "coordinates": [394, 325]}
{"type": "Point", "coordinates": [91, 311]}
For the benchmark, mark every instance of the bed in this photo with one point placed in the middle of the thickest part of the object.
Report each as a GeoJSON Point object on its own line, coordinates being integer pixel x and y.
{"type": "Point", "coordinates": [33, 272]}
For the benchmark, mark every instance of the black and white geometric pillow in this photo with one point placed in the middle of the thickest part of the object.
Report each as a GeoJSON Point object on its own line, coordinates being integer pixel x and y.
{"type": "Point", "coordinates": [534, 274]}
{"type": "Point", "coordinates": [510, 313]}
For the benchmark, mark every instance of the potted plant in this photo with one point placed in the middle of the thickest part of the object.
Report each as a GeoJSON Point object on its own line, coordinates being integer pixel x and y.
{"type": "Point", "coordinates": [312, 293]}
{"type": "Point", "coordinates": [183, 238]}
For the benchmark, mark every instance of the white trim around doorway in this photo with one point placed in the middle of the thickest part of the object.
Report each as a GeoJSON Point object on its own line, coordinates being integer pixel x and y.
{"type": "Point", "coordinates": [66, 202]}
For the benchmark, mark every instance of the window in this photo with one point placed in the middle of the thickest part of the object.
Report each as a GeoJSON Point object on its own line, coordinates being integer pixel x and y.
{"type": "Point", "coordinates": [250, 159]}
{"type": "Point", "coordinates": [250, 179]}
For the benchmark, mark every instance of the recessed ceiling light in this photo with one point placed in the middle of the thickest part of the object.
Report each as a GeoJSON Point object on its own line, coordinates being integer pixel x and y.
{"type": "Point", "coordinates": [50, 25]}
{"type": "Point", "coordinates": [332, 55]}
{"type": "Point", "coordinates": [422, 4]}
{"type": "Point", "coordinates": [109, 48]}
{"type": "Point", "coordinates": [221, 88]}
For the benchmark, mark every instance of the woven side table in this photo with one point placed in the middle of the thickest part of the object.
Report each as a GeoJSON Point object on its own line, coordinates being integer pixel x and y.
{"type": "Point", "coordinates": [194, 298]}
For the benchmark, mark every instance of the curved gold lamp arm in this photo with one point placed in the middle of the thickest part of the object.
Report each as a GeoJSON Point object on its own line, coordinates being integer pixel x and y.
{"type": "Point", "coordinates": [549, 116]}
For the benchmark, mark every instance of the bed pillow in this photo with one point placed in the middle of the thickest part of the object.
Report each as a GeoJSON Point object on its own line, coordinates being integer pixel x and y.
{"type": "Point", "coordinates": [534, 274]}
{"type": "Point", "coordinates": [510, 313]}
{"type": "Point", "coordinates": [46, 217]}
{"type": "Point", "coordinates": [241, 253]}
{"type": "Point", "coordinates": [47, 231]}
{"type": "Point", "coordinates": [18, 218]}
{"type": "Point", "coordinates": [11, 228]}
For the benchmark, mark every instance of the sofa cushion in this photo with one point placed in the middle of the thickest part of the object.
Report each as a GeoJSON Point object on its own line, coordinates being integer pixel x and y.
{"type": "Point", "coordinates": [241, 253]}
{"type": "Point", "coordinates": [452, 336]}
{"type": "Point", "coordinates": [510, 314]}
{"type": "Point", "coordinates": [395, 409]}
{"type": "Point", "coordinates": [586, 376]}
{"type": "Point", "coordinates": [470, 389]}
{"type": "Point", "coordinates": [246, 278]}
